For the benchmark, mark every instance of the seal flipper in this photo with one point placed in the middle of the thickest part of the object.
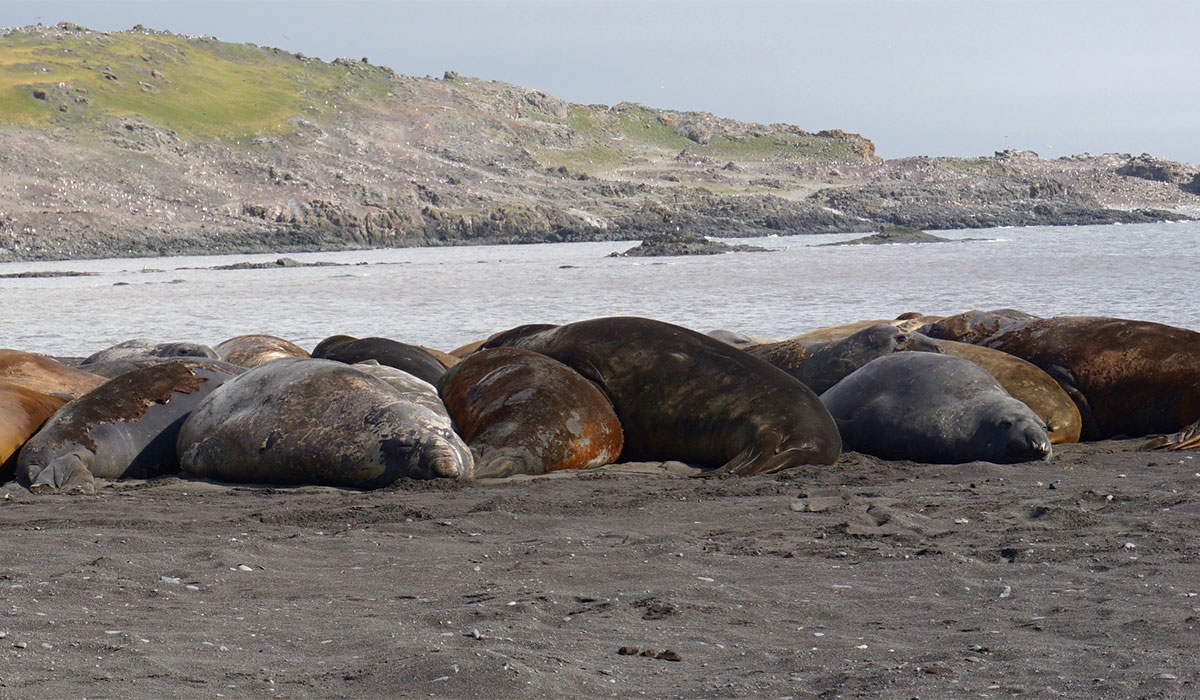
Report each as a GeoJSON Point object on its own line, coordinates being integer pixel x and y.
{"type": "Point", "coordinates": [68, 473]}
{"type": "Point", "coordinates": [1186, 439]}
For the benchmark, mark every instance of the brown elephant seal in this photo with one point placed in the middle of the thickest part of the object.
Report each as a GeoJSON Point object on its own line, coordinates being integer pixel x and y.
{"type": "Point", "coordinates": [738, 340]}
{"type": "Point", "coordinates": [681, 395]}
{"type": "Point", "coordinates": [1027, 383]}
{"type": "Point", "coordinates": [256, 349]}
{"type": "Point", "coordinates": [934, 408]}
{"type": "Point", "coordinates": [22, 411]}
{"type": "Point", "coordinates": [1128, 378]}
{"type": "Point", "coordinates": [139, 348]}
{"type": "Point", "coordinates": [385, 351]}
{"type": "Point", "coordinates": [45, 374]}
{"type": "Point", "coordinates": [124, 428]}
{"type": "Point", "coordinates": [976, 326]}
{"type": "Point", "coordinates": [820, 365]}
{"type": "Point", "coordinates": [522, 412]}
{"type": "Point", "coordinates": [313, 421]}
{"type": "Point", "coordinates": [908, 321]}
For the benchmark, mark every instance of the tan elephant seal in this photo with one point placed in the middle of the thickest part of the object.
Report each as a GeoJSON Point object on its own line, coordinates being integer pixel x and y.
{"type": "Point", "coordinates": [45, 374]}
{"type": "Point", "coordinates": [256, 349]}
{"type": "Point", "coordinates": [23, 411]}
{"type": "Point", "coordinates": [522, 412]}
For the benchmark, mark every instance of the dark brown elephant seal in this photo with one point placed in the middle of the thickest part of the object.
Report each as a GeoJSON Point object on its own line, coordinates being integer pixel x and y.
{"type": "Point", "coordinates": [976, 326]}
{"type": "Point", "coordinates": [822, 364]}
{"type": "Point", "coordinates": [1027, 383]}
{"type": "Point", "coordinates": [934, 408]}
{"type": "Point", "coordinates": [393, 353]}
{"type": "Point", "coordinates": [22, 411]}
{"type": "Point", "coordinates": [124, 428]}
{"type": "Point", "coordinates": [256, 349]}
{"type": "Point", "coordinates": [313, 421]}
{"type": "Point", "coordinates": [522, 412]}
{"type": "Point", "coordinates": [45, 374]}
{"type": "Point", "coordinates": [1128, 378]}
{"type": "Point", "coordinates": [681, 395]}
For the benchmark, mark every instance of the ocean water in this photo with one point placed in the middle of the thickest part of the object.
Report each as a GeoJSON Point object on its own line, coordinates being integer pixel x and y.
{"type": "Point", "coordinates": [446, 297]}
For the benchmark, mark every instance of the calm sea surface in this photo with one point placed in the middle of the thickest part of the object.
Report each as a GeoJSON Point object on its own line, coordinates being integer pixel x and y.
{"type": "Point", "coordinates": [445, 297]}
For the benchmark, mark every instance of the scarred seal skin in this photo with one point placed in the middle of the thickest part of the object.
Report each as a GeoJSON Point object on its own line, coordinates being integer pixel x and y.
{"type": "Point", "coordinates": [256, 349]}
{"type": "Point", "coordinates": [522, 412]}
{"type": "Point", "coordinates": [45, 374]}
{"type": "Point", "coordinates": [1128, 378]}
{"type": "Point", "coordinates": [313, 421]}
{"type": "Point", "coordinates": [410, 358]}
{"type": "Point", "coordinates": [822, 364]}
{"type": "Point", "coordinates": [124, 428]}
{"type": "Point", "coordinates": [22, 411]}
{"type": "Point", "coordinates": [934, 408]}
{"type": "Point", "coordinates": [681, 395]}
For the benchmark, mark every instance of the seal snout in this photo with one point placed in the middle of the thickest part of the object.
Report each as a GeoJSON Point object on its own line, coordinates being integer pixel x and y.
{"type": "Point", "coordinates": [1031, 445]}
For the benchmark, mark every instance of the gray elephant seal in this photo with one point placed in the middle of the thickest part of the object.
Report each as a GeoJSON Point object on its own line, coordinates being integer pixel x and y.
{"type": "Point", "coordinates": [311, 421]}
{"type": "Point", "coordinates": [681, 395]}
{"type": "Point", "coordinates": [934, 408]}
{"type": "Point", "coordinates": [124, 428]}
{"type": "Point", "coordinates": [140, 348]}
{"type": "Point", "coordinates": [410, 358]}
{"type": "Point", "coordinates": [820, 365]}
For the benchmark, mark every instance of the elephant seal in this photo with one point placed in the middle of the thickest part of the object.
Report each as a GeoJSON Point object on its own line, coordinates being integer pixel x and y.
{"type": "Point", "coordinates": [411, 387]}
{"type": "Point", "coordinates": [976, 326]}
{"type": "Point", "coordinates": [139, 348]}
{"type": "Point", "coordinates": [934, 408]}
{"type": "Point", "coordinates": [820, 365]}
{"type": "Point", "coordinates": [255, 349]}
{"type": "Point", "coordinates": [115, 368]}
{"type": "Point", "coordinates": [45, 374]}
{"type": "Point", "coordinates": [681, 395]}
{"type": "Point", "coordinates": [907, 321]}
{"type": "Point", "coordinates": [522, 412]}
{"type": "Point", "coordinates": [314, 421]}
{"type": "Point", "coordinates": [738, 340]}
{"type": "Point", "coordinates": [393, 353]}
{"type": "Point", "coordinates": [1027, 383]}
{"type": "Point", "coordinates": [22, 411]}
{"type": "Point", "coordinates": [1128, 378]}
{"type": "Point", "coordinates": [124, 428]}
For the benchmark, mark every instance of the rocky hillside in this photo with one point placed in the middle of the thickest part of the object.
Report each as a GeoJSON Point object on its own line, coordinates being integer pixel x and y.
{"type": "Point", "coordinates": [144, 143]}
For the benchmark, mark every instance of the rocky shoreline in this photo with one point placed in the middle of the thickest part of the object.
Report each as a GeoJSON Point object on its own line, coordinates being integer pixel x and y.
{"type": "Point", "coordinates": [406, 161]}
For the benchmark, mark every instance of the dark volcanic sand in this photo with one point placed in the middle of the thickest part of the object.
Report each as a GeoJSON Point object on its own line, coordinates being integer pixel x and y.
{"type": "Point", "coordinates": [1074, 578]}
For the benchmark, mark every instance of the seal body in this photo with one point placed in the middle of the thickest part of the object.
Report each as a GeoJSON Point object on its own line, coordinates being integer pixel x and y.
{"type": "Point", "coordinates": [908, 321]}
{"type": "Point", "coordinates": [139, 348]}
{"type": "Point", "coordinates": [522, 412]}
{"type": "Point", "coordinates": [976, 326]}
{"type": "Point", "coordinates": [1128, 378]}
{"type": "Point", "coordinates": [22, 411]}
{"type": "Point", "coordinates": [313, 421]}
{"type": "Point", "coordinates": [45, 374]}
{"type": "Point", "coordinates": [934, 408]}
{"type": "Point", "coordinates": [410, 387]}
{"type": "Point", "coordinates": [1027, 383]}
{"type": "Point", "coordinates": [681, 395]}
{"type": "Point", "coordinates": [124, 428]}
{"type": "Point", "coordinates": [256, 349]}
{"type": "Point", "coordinates": [822, 364]}
{"type": "Point", "coordinates": [385, 351]}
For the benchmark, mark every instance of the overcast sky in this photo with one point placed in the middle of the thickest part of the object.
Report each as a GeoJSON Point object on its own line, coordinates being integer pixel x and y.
{"type": "Point", "coordinates": [918, 77]}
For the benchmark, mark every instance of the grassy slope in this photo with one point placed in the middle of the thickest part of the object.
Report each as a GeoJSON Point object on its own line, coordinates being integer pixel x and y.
{"type": "Point", "coordinates": [199, 88]}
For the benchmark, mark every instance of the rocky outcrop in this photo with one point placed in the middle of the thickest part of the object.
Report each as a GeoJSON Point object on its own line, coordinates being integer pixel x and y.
{"type": "Point", "coordinates": [680, 243]}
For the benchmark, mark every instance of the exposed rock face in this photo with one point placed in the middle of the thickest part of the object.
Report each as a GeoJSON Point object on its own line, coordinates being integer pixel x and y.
{"type": "Point", "coordinates": [378, 159]}
{"type": "Point", "coordinates": [666, 244]}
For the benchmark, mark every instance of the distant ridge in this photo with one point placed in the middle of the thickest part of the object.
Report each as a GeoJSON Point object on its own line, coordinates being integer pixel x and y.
{"type": "Point", "coordinates": [145, 142]}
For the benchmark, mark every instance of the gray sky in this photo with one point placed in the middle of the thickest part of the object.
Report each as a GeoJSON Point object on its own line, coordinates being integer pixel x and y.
{"type": "Point", "coordinates": [918, 77]}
